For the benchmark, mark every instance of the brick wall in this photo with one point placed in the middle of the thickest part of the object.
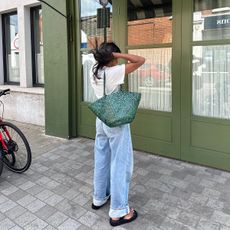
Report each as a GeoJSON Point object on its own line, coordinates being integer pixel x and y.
{"type": "Point", "coordinates": [140, 32]}
{"type": "Point", "coordinates": [150, 31]}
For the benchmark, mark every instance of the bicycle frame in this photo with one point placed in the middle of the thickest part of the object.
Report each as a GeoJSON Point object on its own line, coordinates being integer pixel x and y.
{"type": "Point", "coordinates": [5, 148]}
{"type": "Point", "coordinates": [9, 147]}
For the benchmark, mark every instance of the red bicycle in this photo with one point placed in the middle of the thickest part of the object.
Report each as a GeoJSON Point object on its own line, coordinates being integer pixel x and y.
{"type": "Point", "coordinates": [15, 151]}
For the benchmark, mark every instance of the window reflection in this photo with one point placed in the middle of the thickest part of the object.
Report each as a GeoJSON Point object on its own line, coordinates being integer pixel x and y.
{"type": "Point", "coordinates": [92, 29]}
{"type": "Point", "coordinates": [89, 24]}
{"type": "Point", "coordinates": [211, 81]}
{"type": "Point", "coordinates": [149, 23]}
{"type": "Point", "coordinates": [88, 62]}
{"type": "Point", "coordinates": [211, 20]}
{"type": "Point", "coordinates": [37, 46]}
{"type": "Point", "coordinates": [153, 79]}
{"type": "Point", "coordinates": [11, 44]}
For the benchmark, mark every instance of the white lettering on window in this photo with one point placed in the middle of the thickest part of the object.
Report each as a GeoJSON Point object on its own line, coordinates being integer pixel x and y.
{"type": "Point", "coordinates": [223, 21]}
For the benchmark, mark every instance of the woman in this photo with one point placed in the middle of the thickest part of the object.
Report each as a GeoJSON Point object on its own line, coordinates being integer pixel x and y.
{"type": "Point", "coordinates": [113, 146]}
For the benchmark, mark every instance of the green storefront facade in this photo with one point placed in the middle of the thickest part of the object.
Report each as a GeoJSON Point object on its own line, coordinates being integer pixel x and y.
{"type": "Point", "coordinates": [184, 111]}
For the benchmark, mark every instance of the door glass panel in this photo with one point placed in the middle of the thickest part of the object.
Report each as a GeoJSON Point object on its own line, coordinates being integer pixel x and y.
{"type": "Point", "coordinates": [92, 25]}
{"type": "Point", "coordinates": [92, 29]}
{"type": "Point", "coordinates": [11, 41]}
{"type": "Point", "coordinates": [88, 62]}
{"type": "Point", "coordinates": [211, 20]}
{"type": "Point", "coordinates": [153, 79]}
{"type": "Point", "coordinates": [149, 22]}
{"type": "Point", "coordinates": [211, 81]}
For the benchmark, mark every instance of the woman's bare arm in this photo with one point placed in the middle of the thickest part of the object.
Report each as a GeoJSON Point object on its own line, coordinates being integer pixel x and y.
{"type": "Point", "coordinates": [134, 61]}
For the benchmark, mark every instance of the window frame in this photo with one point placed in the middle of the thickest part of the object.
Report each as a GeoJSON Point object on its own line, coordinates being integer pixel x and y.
{"type": "Point", "coordinates": [33, 49]}
{"type": "Point", "coordinates": [5, 38]}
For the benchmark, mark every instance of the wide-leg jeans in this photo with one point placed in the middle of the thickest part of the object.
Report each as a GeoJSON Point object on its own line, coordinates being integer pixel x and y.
{"type": "Point", "coordinates": [113, 155]}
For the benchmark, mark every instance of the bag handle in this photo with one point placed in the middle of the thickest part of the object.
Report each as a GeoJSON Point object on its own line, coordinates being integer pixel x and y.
{"type": "Point", "coordinates": [104, 84]}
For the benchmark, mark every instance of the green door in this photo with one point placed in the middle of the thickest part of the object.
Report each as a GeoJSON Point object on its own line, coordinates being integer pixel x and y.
{"type": "Point", "coordinates": [139, 31]}
{"type": "Point", "coordinates": [206, 83]}
{"type": "Point", "coordinates": [153, 31]}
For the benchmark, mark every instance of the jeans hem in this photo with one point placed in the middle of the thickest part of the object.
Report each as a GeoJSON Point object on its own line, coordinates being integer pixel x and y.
{"type": "Point", "coordinates": [117, 213]}
{"type": "Point", "coordinates": [99, 202]}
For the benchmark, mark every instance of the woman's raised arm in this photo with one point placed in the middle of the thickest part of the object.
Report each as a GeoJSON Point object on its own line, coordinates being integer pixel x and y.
{"type": "Point", "coordinates": [134, 61]}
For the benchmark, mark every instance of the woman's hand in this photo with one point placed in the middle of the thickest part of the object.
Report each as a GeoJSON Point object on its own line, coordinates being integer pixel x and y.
{"type": "Point", "coordinates": [134, 61]}
{"type": "Point", "coordinates": [116, 55]}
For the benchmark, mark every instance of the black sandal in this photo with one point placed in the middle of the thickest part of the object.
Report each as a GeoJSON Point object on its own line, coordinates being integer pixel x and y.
{"type": "Point", "coordinates": [122, 220]}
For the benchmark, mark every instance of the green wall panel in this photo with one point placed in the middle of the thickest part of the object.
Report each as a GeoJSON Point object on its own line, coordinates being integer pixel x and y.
{"type": "Point", "coordinates": [56, 69]}
{"type": "Point", "coordinates": [153, 126]}
{"type": "Point", "coordinates": [207, 157]}
{"type": "Point", "coordinates": [210, 136]}
{"type": "Point", "coordinates": [154, 146]}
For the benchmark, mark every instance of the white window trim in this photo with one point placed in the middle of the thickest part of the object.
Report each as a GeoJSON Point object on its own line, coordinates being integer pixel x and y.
{"type": "Point", "coordinates": [25, 57]}
{"type": "Point", "coordinates": [24, 29]}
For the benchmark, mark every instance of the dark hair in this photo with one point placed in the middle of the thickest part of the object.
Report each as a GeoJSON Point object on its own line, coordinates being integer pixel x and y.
{"type": "Point", "coordinates": [103, 55]}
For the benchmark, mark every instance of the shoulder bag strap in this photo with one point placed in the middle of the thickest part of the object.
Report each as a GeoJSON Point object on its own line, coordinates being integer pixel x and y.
{"type": "Point", "coordinates": [104, 84]}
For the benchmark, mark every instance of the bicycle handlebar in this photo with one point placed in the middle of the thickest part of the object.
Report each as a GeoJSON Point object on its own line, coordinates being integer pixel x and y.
{"type": "Point", "coordinates": [4, 92]}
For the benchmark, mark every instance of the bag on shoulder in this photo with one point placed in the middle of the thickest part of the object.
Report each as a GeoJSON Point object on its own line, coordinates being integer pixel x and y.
{"type": "Point", "coordinates": [116, 108]}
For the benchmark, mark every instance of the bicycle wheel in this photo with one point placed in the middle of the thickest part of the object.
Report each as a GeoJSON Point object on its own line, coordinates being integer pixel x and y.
{"type": "Point", "coordinates": [18, 155]}
{"type": "Point", "coordinates": [1, 162]}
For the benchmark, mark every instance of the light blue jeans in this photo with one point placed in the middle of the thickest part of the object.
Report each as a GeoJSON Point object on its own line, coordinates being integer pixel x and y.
{"type": "Point", "coordinates": [113, 167]}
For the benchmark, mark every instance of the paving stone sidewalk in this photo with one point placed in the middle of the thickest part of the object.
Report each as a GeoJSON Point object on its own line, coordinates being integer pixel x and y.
{"type": "Point", "coordinates": [56, 192]}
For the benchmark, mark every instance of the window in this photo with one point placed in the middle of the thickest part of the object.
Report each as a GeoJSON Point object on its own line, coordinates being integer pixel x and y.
{"type": "Point", "coordinates": [211, 20]}
{"type": "Point", "coordinates": [152, 20]}
{"type": "Point", "coordinates": [91, 29]}
{"type": "Point", "coordinates": [11, 48]}
{"type": "Point", "coordinates": [211, 63]}
{"type": "Point", "coordinates": [37, 46]}
{"type": "Point", "coordinates": [211, 81]}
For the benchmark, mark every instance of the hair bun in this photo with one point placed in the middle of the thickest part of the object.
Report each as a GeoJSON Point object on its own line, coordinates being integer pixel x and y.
{"type": "Point", "coordinates": [97, 54]}
{"type": "Point", "coordinates": [103, 55]}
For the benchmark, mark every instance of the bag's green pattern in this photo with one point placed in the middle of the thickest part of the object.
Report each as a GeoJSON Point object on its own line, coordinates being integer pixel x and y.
{"type": "Point", "coordinates": [117, 108]}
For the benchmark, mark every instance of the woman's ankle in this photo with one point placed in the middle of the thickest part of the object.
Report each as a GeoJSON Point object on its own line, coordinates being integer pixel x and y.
{"type": "Point", "coordinates": [127, 216]}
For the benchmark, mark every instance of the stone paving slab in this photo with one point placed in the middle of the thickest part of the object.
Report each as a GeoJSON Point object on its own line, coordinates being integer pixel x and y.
{"type": "Point", "coordinates": [56, 192]}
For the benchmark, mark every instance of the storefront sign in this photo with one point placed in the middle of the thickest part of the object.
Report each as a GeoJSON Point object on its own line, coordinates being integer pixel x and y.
{"type": "Point", "coordinates": [215, 22]}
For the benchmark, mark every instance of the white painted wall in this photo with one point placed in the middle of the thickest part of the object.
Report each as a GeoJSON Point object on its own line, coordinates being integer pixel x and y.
{"type": "Point", "coordinates": [25, 103]}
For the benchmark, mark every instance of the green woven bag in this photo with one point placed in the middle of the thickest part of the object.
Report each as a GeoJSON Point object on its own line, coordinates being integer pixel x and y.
{"type": "Point", "coordinates": [116, 108]}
